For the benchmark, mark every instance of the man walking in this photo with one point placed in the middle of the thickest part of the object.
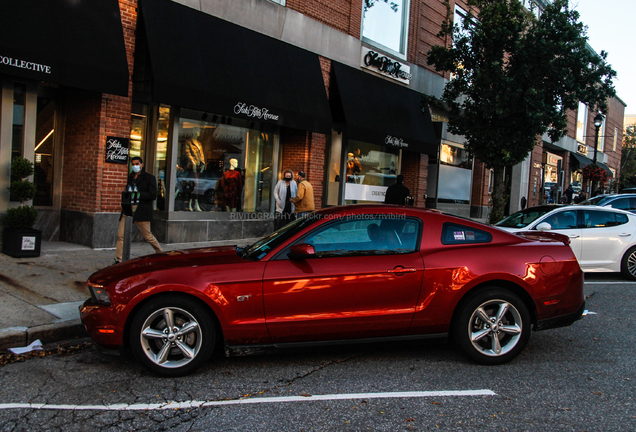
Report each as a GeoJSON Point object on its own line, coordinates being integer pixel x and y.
{"type": "Point", "coordinates": [304, 199]}
{"type": "Point", "coordinates": [397, 192]}
{"type": "Point", "coordinates": [146, 186]}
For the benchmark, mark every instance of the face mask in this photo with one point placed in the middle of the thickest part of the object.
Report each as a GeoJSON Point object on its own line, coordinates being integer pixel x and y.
{"type": "Point", "coordinates": [136, 168]}
{"type": "Point", "coordinates": [288, 178]}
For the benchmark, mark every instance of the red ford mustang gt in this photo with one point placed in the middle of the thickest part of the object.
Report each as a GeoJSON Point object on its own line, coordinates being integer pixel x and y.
{"type": "Point", "coordinates": [364, 273]}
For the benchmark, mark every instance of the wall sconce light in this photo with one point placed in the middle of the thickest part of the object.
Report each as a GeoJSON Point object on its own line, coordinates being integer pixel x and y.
{"type": "Point", "coordinates": [215, 118]}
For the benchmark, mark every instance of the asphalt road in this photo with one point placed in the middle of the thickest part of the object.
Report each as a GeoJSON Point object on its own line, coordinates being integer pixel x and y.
{"type": "Point", "coordinates": [580, 378]}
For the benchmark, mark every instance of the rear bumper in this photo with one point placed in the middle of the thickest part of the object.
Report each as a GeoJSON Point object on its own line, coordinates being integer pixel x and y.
{"type": "Point", "coordinates": [560, 321]}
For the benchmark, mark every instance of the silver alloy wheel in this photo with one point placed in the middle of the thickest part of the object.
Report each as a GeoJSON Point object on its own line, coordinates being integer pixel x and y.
{"type": "Point", "coordinates": [171, 337]}
{"type": "Point", "coordinates": [631, 263]}
{"type": "Point", "coordinates": [495, 328]}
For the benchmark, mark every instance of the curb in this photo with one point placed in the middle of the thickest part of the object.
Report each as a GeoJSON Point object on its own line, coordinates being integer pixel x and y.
{"type": "Point", "coordinates": [48, 333]}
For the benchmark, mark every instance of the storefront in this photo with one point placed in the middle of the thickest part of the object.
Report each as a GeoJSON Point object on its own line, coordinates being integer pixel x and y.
{"type": "Point", "coordinates": [213, 102]}
{"type": "Point", "coordinates": [379, 129]}
{"type": "Point", "coordinates": [53, 54]}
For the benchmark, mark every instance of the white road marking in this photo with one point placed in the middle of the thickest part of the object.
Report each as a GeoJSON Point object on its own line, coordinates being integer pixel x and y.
{"type": "Point", "coordinates": [609, 283]}
{"type": "Point", "coordinates": [283, 399]}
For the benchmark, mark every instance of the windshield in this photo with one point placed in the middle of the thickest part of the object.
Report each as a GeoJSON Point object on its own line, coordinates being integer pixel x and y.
{"type": "Point", "coordinates": [597, 200]}
{"type": "Point", "coordinates": [262, 247]}
{"type": "Point", "coordinates": [523, 218]}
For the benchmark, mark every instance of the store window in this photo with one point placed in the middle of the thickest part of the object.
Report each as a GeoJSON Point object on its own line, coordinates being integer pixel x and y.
{"type": "Point", "coordinates": [280, 2]}
{"type": "Point", "coordinates": [223, 164]}
{"type": "Point", "coordinates": [601, 137]}
{"type": "Point", "coordinates": [19, 111]}
{"type": "Point", "coordinates": [370, 169]}
{"type": "Point", "coordinates": [581, 123]}
{"type": "Point", "coordinates": [163, 123]}
{"type": "Point", "coordinates": [455, 174]}
{"type": "Point", "coordinates": [385, 22]}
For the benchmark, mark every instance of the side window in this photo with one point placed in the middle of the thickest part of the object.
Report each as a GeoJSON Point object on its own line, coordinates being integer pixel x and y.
{"type": "Point", "coordinates": [620, 203]}
{"type": "Point", "coordinates": [562, 220]}
{"type": "Point", "coordinates": [600, 219]}
{"type": "Point", "coordinates": [459, 234]}
{"type": "Point", "coordinates": [370, 235]}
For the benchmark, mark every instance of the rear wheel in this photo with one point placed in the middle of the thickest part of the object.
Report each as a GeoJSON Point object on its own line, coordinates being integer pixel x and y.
{"type": "Point", "coordinates": [492, 326]}
{"type": "Point", "coordinates": [172, 336]}
{"type": "Point", "coordinates": [628, 264]}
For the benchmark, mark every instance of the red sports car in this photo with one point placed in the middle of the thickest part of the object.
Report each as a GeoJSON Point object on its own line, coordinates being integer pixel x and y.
{"type": "Point", "coordinates": [363, 272]}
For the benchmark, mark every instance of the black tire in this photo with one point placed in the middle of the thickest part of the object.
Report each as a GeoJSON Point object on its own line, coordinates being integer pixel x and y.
{"type": "Point", "coordinates": [176, 353]}
{"type": "Point", "coordinates": [476, 326]}
{"type": "Point", "coordinates": [628, 264]}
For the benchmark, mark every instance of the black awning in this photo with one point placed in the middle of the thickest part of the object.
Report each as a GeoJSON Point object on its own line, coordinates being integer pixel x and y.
{"type": "Point", "coordinates": [201, 62]}
{"type": "Point", "coordinates": [73, 43]}
{"type": "Point", "coordinates": [583, 161]}
{"type": "Point", "coordinates": [379, 112]}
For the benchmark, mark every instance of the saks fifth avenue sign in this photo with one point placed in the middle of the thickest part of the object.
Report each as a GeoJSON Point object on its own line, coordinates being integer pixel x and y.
{"type": "Point", "coordinates": [395, 142]}
{"type": "Point", "coordinates": [117, 150]}
{"type": "Point", "coordinates": [386, 66]}
{"type": "Point", "coordinates": [254, 112]}
{"type": "Point", "coordinates": [23, 64]}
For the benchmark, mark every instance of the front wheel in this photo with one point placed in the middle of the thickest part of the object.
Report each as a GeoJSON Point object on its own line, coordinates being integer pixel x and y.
{"type": "Point", "coordinates": [492, 326]}
{"type": "Point", "coordinates": [172, 336]}
{"type": "Point", "coordinates": [628, 264]}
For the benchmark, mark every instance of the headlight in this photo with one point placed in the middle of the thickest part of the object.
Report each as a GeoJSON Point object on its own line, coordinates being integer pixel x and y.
{"type": "Point", "coordinates": [98, 294]}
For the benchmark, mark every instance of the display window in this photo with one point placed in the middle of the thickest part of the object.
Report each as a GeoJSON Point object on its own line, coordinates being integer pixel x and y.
{"type": "Point", "coordinates": [370, 170]}
{"type": "Point", "coordinates": [223, 164]}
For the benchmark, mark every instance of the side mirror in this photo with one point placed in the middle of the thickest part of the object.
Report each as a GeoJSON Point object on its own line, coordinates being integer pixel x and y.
{"type": "Point", "coordinates": [301, 251]}
{"type": "Point", "coordinates": [544, 226]}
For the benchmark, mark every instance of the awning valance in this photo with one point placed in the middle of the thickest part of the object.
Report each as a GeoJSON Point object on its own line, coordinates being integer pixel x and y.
{"type": "Point", "coordinates": [380, 112]}
{"type": "Point", "coordinates": [201, 62]}
{"type": "Point", "coordinates": [73, 43]}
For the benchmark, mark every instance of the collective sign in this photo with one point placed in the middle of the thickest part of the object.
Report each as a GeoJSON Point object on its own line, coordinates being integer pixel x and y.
{"type": "Point", "coordinates": [117, 150]}
{"type": "Point", "coordinates": [386, 66]}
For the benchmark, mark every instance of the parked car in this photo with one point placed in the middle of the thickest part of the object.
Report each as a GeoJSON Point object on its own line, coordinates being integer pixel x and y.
{"type": "Point", "coordinates": [619, 201]}
{"type": "Point", "coordinates": [602, 238]}
{"type": "Point", "coordinates": [342, 274]}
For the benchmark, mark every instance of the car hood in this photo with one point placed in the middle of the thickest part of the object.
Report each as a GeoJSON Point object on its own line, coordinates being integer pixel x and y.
{"type": "Point", "coordinates": [217, 256]}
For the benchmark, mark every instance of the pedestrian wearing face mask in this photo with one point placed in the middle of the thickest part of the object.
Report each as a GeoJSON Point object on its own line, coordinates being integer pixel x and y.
{"type": "Point", "coordinates": [285, 189]}
{"type": "Point", "coordinates": [146, 185]}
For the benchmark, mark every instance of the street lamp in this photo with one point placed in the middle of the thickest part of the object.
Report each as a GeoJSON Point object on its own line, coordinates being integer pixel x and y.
{"type": "Point", "coordinates": [598, 121]}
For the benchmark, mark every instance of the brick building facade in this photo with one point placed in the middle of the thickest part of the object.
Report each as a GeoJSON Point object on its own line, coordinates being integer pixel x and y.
{"type": "Point", "coordinates": [180, 87]}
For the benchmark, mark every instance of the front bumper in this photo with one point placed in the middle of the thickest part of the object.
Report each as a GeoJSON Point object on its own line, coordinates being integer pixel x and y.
{"type": "Point", "coordinates": [98, 322]}
{"type": "Point", "coordinates": [561, 321]}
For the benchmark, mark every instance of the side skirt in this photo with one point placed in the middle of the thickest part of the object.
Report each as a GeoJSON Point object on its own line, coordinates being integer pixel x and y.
{"type": "Point", "coordinates": [246, 350]}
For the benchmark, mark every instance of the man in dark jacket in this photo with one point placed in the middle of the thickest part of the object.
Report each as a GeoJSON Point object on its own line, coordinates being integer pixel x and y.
{"type": "Point", "coordinates": [397, 193]}
{"type": "Point", "coordinates": [146, 185]}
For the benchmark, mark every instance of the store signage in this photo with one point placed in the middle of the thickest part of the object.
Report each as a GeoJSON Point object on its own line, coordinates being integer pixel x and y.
{"type": "Point", "coordinates": [386, 66]}
{"type": "Point", "coordinates": [23, 64]}
{"type": "Point", "coordinates": [362, 192]}
{"type": "Point", "coordinates": [254, 112]}
{"type": "Point", "coordinates": [117, 150]}
{"type": "Point", "coordinates": [395, 142]}
{"type": "Point", "coordinates": [582, 149]}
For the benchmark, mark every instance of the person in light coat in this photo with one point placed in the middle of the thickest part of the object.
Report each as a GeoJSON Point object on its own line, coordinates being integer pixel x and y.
{"type": "Point", "coordinates": [285, 189]}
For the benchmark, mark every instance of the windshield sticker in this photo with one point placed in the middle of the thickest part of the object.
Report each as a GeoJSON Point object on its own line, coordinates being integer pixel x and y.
{"type": "Point", "coordinates": [470, 235]}
{"type": "Point", "coordinates": [262, 255]}
{"type": "Point", "coordinates": [458, 235]}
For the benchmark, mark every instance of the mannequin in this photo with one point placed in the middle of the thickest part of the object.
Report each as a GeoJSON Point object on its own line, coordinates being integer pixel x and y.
{"type": "Point", "coordinates": [232, 184]}
{"type": "Point", "coordinates": [194, 151]}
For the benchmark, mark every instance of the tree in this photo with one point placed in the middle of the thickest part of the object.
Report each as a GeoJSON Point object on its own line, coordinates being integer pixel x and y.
{"type": "Point", "coordinates": [513, 78]}
{"type": "Point", "coordinates": [628, 158]}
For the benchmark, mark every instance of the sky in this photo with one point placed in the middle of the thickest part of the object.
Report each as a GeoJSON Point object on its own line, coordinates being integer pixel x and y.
{"type": "Point", "coordinates": [610, 26]}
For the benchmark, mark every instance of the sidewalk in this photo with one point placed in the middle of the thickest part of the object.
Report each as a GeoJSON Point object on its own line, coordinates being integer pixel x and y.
{"type": "Point", "coordinates": [40, 297]}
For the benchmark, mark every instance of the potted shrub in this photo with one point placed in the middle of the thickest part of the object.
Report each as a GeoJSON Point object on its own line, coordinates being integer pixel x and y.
{"type": "Point", "coordinates": [19, 239]}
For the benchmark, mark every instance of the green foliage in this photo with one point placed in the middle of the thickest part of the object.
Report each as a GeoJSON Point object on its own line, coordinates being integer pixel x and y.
{"type": "Point", "coordinates": [628, 158]}
{"type": "Point", "coordinates": [21, 168]}
{"type": "Point", "coordinates": [515, 77]}
{"type": "Point", "coordinates": [22, 217]}
{"type": "Point", "coordinates": [22, 190]}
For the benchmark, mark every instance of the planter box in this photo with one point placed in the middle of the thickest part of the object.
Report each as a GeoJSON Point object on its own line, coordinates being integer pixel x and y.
{"type": "Point", "coordinates": [21, 243]}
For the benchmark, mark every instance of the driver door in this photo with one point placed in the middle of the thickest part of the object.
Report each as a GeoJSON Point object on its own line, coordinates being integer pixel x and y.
{"type": "Point", "coordinates": [355, 286]}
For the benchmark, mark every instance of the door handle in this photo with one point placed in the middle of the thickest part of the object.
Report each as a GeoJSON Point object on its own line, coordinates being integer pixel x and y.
{"type": "Point", "coordinates": [574, 236]}
{"type": "Point", "coordinates": [624, 235]}
{"type": "Point", "coordinates": [402, 270]}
